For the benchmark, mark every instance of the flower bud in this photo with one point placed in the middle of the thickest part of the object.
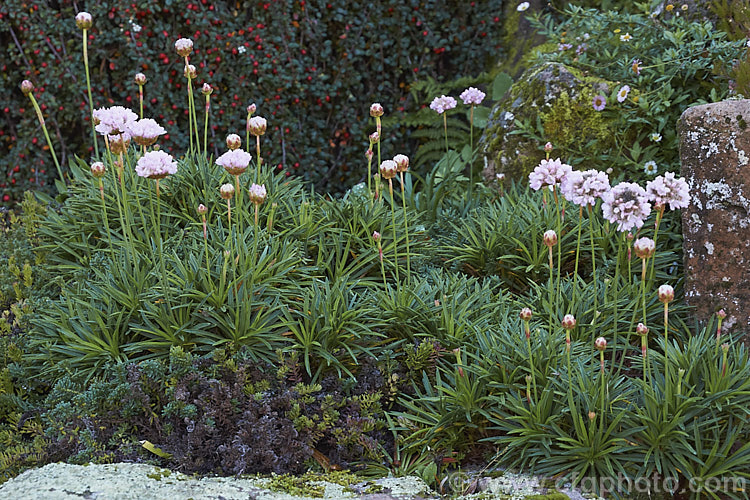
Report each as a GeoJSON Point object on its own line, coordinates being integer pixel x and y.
{"type": "Point", "coordinates": [376, 109]}
{"type": "Point", "coordinates": [226, 191]}
{"type": "Point", "coordinates": [257, 125]}
{"type": "Point", "coordinates": [721, 314]}
{"type": "Point", "coordinates": [600, 344]}
{"type": "Point", "coordinates": [641, 329]}
{"type": "Point", "coordinates": [592, 415]}
{"type": "Point", "coordinates": [369, 154]}
{"type": "Point", "coordinates": [388, 169]}
{"type": "Point", "coordinates": [233, 141]}
{"type": "Point", "coordinates": [258, 193]}
{"type": "Point", "coordinates": [402, 162]}
{"type": "Point", "coordinates": [119, 143]}
{"type": "Point", "coordinates": [206, 89]}
{"type": "Point", "coordinates": [550, 238]}
{"type": "Point", "coordinates": [84, 20]}
{"type": "Point", "coordinates": [190, 72]}
{"type": "Point", "coordinates": [98, 169]}
{"type": "Point", "coordinates": [251, 109]}
{"type": "Point", "coordinates": [184, 46]}
{"type": "Point", "coordinates": [374, 138]}
{"type": "Point", "coordinates": [525, 314]}
{"type": "Point", "coordinates": [666, 294]}
{"type": "Point", "coordinates": [140, 79]}
{"type": "Point", "coordinates": [202, 209]}
{"type": "Point", "coordinates": [644, 247]}
{"type": "Point", "coordinates": [568, 322]}
{"type": "Point", "coordinates": [376, 236]}
{"type": "Point", "coordinates": [27, 87]}
{"type": "Point", "coordinates": [548, 147]}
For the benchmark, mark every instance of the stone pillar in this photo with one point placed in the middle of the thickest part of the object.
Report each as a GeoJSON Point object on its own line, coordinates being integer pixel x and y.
{"type": "Point", "coordinates": [715, 157]}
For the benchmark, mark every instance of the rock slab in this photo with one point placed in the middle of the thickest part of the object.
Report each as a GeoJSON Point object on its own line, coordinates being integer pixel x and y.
{"type": "Point", "coordinates": [715, 157]}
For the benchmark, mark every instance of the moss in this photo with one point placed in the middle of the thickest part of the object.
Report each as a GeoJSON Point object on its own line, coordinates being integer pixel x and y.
{"type": "Point", "coordinates": [549, 496]}
{"type": "Point", "coordinates": [310, 484]}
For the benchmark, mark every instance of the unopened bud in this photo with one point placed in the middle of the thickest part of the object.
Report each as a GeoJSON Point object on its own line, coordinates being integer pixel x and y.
{"type": "Point", "coordinates": [374, 138]}
{"type": "Point", "coordinates": [251, 109]}
{"type": "Point", "coordinates": [140, 79]}
{"type": "Point", "coordinates": [206, 89]}
{"type": "Point", "coordinates": [184, 46]}
{"type": "Point", "coordinates": [376, 109]}
{"type": "Point", "coordinates": [98, 169]}
{"type": "Point", "coordinates": [27, 87]}
{"type": "Point", "coordinates": [402, 162]}
{"type": "Point", "coordinates": [190, 72]}
{"type": "Point", "coordinates": [548, 147]}
{"type": "Point", "coordinates": [568, 322]}
{"type": "Point", "coordinates": [641, 329]}
{"type": "Point", "coordinates": [666, 294]}
{"type": "Point", "coordinates": [525, 314]}
{"type": "Point", "coordinates": [226, 191]}
{"type": "Point", "coordinates": [592, 415]}
{"type": "Point", "coordinates": [600, 344]}
{"type": "Point", "coordinates": [84, 20]}
{"type": "Point", "coordinates": [644, 247]}
{"type": "Point", "coordinates": [376, 236]}
{"type": "Point", "coordinates": [388, 169]}
{"type": "Point", "coordinates": [202, 209]}
{"type": "Point", "coordinates": [257, 125]}
{"type": "Point", "coordinates": [258, 193]}
{"type": "Point", "coordinates": [550, 238]}
{"type": "Point", "coordinates": [721, 314]}
{"type": "Point", "coordinates": [233, 141]}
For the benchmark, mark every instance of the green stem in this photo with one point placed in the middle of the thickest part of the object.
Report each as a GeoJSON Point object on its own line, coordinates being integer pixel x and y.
{"type": "Point", "coordinates": [395, 241]}
{"type": "Point", "coordinates": [140, 99]}
{"type": "Point", "coordinates": [205, 126]}
{"type": "Point", "coordinates": [531, 358]}
{"type": "Point", "coordinates": [616, 290]}
{"type": "Point", "coordinates": [46, 135]}
{"type": "Point", "coordinates": [471, 143]}
{"type": "Point", "coordinates": [445, 131]}
{"type": "Point", "coordinates": [88, 88]}
{"type": "Point", "coordinates": [593, 272]}
{"type": "Point", "coordinates": [406, 229]}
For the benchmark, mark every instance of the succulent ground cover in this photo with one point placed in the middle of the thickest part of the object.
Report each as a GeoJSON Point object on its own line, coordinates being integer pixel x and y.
{"type": "Point", "coordinates": [211, 314]}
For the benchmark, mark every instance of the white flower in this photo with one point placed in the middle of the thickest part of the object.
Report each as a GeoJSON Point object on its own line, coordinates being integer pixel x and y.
{"type": "Point", "coordinates": [136, 28]}
{"type": "Point", "coordinates": [666, 190]}
{"type": "Point", "coordinates": [472, 96]}
{"type": "Point", "coordinates": [655, 137]}
{"type": "Point", "coordinates": [622, 94]}
{"type": "Point", "coordinates": [650, 168]}
{"type": "Point", "coordinates": [522, 6]}
{"type": "Point", "coordinates": [257, 193]}
{"type": "Point", "coordinates": [626, 37]}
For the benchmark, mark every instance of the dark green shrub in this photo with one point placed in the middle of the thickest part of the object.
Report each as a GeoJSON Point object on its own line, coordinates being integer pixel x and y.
{"type": "Point", "coordinates": [312, 66]}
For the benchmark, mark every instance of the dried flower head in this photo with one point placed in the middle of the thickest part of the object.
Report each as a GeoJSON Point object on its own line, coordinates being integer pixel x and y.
{"type": "Point", "coordinates": [146, 132]}
{"type": "Point", "coordinates": [235, 162]}
{"type": "Point", "coordinates": [666, 294]}
{"type": "Point", "coordinates": [388, 169]}
{"type": "Point", "coordinates": [184, 46]}
{"type": "Point", "coordinates": [114, 120]}
{"type": "Point", "coordinates": [233, 141]}
{"type": "Point", "coordinates": [140, 79]}
{"type": "Point", "coordinates": [27, 87]}
{"type": "Point", "coordinates": [583, 188]}
{"type": "Point", "coordinates": [525, 314]}
{"type": "Point", "coordinates": [155, 165]}
{"type": "Point", "coordinates": [472, 96]}
{"type": "Point", "coordinates": [257, 125]}
{"type": "Point", "coordinates": [549, 173]}
{"type": "Point", "coordinates": [226, 191]}
{"type": "Point", "coordinates": [600, 343]}
{"type": "Point", "coordinates": [257, 193]}
{"type": "Point", "coordinates": [666, 190]}
{"type": "Point", "coordinates": [376, 110]}
{"type": "Point", "coordinates": [442, 104]}
{"type": "Point", "coordinates": [402, 162]}
{"type": "Point", "coordinates": [98, 169]}
{"type": "Point", "coordinates": [568, 322]}
{"type": "Point", "coordinates": [84, 20]}
{"type": "Point", "coordinates": [627, 205]}
{"type": "Point", "coordinates": [550, 238]}
{"type": "Point", "coordinates": [206, 89]}
{"type": "Point", "coordinates": [644, 247]}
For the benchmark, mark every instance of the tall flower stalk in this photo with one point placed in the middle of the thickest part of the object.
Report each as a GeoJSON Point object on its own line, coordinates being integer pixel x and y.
{"type": "Point", "coordinates": [440, 105]}
{"type": "Point", "coordinates": [84, 21]}
{"type": "Point", "coordinates": [644, 249]}
{"type": "Point", "coordinates": [666, 295]}
{"type": "Point", "coordinates": [525, 316]}
{"type": "Point", "coordinates": [202, 210]}
{"type": "Point", "coordinates": [376, 111]}
{"type": "Point", "coordinates": [388, 171]}
{"type": "Point", "coordinates": [184, 47]}
{"type": "Point", "coordinates": [257, 126]}
{"type": "Point", "coordinates": [206, 90]}
{"type": "Point", "coordinates": [28, 90]}
{"type": "Point", "coordinates": [98, 170]}
{"type": "Point", "coordinates": [140, 80]}
{"type": "Point", "coordinates": [376, 238]}
{"type": "Point", "coordinates": [251, 108]}
{"type": "Point", "coordinates": [402, 165]}
{"type": "Point", "coordinates": [471, 97]}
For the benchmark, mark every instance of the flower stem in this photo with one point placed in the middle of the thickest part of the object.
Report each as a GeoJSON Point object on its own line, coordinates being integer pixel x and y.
{"type": "Point", "coordinates": [46, 135]}
{"type": "Point", "coordinates": [395, 241]}
{"type": "Point", "coordinates": [205, 126]}
{"type": "Point", "coordinates": [445, 131]}
{"type": "Point", "coordinates": [471, 143]}
{"type": "Point", "coordinates": [88, 88]}
{"type": "Point", "coordinates": [406, 229]}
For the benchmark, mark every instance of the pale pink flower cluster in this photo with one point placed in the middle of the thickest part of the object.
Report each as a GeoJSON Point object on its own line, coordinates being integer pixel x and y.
{"type": "Point", "coordinates": [583, 188]}
{"type": "Point", "coordinates": [114, 120]}
{"type": "Point", "coordinates": [442, 104]}
{"type": "Point", "coordinates": [155, 165]}
{"type": "Point", "coordinates": [549, 173]}
{"type": "Point", "coordinates": [234, 161]}
{"type": "Point", "coordinates": [184, 46]}
{"type": "Point", "coordinates": [626, 205]}
{"type": "Point", "coordinates": [146, 131]}
{"type": "Point", "coordinates": [472, 96]}
{"type": "Point", "coordinates": [257, 193]}
{"type": "Point", "coordinates": [665, 189]}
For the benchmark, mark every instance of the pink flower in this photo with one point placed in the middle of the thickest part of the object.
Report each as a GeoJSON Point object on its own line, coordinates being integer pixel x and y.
{"type": "Point", "coordinates": [599, 102]}
{"type": "Point", "coordinates": [627, 205]}
{"type": "Point", "coordinates": [402, 162]}
{"type": "Point", "coordinates": [145, 132]}
{"type": "Point", "coordinates": [583, 188]}
{"type": "Point", "coordinates": [257, 193]}
{"type": "Point", "coordinates": [472, 96]}
{"type": "Point", "coordinates": [155, 165]}
{"type": "Point", "coordinates": [442, 104]}
{"type": "Point", "coordinates": [251, 109]}
{"type": "Point", "coordinates": [549, 173]}
{"type": "Point", "coordinates": [388, 169]}
{"type": "Point", "coordinates": [184, 46]}
{"type": "Point", "coordinates": [84, 20]}
{"type": "Point", "coordinates": [206, 89]}
{"type": "Point", "coordinates": [235, 161]}
{"type": "Point", "coordinates": [257, 125]}
{"type": "Point", "coordinates": [376, 110]}
{"type": "Point", "coordinates": [665, 189]}
{"type": "Point", "coordinates": [114, 120]}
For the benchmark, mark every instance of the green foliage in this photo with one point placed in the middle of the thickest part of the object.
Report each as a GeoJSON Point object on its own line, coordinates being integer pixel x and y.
{"type": "Point", "coordinates": [679, 63]}
{"type": "Point", "coordinates": [304, 63]}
